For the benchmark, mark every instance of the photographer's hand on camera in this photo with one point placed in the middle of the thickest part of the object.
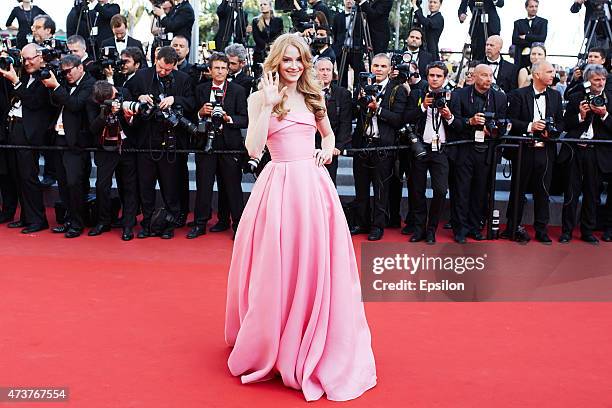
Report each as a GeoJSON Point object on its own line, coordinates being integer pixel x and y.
{"type": "Point", "coordinates": [146, 99]}
{"type": "Point", "coordinates": [599, 110]}
{"type": "Point", "coordinates": [166, 102]}
{"type": "Point", "coordinates": [477, 120]}
{"type": "Point", "coordinates": [51, 82]}
{"type": "Point", "coordinates": [446, 113]}
{"type": "Point", "coordinates": [539, 126]}
{"type": "Point", "coordinates": [108, 72]}
{"type": "Point", "coordinates": [159, 12]}
{"type": "Point", "coordinates": [584, 108]}
{"type": "Point", "coordinates": [10, 74]}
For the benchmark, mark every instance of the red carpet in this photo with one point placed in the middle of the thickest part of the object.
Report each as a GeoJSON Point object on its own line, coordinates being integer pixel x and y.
{"type": "Point", "coordinates": [140, 324]}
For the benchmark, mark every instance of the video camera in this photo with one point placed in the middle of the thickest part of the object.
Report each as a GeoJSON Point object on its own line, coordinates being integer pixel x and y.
{"type": "Point", "coordinates": [212, 125]}
{"type": "Point", "coordinates": [406, 136]}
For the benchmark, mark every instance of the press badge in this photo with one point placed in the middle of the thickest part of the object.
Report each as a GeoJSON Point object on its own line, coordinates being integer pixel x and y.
{"type": "Point", "coordinates": [94, 31]}
{"type": "Point", "coordinates": [479, 136]}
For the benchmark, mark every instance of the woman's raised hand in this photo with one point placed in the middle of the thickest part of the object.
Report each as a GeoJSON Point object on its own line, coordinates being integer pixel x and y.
{"type": "Point", "coordinates": [272, 96]}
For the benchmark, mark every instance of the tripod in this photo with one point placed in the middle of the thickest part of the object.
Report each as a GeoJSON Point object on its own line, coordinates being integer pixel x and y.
{"type": "Point", "coordinates": [467, 52]}
{"type": "Point", "coordinates": [84, 12]}
{"type": "Point", "coordinates": [598, 18]}
{"type": "Point", "coordinates": [236, 8]}
{"type": "Point", "coordinates": [366, 40]}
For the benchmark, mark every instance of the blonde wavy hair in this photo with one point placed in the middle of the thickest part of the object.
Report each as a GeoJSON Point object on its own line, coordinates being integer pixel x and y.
{"type": "Point", "coordinates": [307, 85]}
{"type": "Point", "coordinates": [261, 23]}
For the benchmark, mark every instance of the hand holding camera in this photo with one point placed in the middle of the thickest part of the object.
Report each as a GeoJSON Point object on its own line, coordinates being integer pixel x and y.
{"type": "Point", "coordinates": [10, 74]}
{"type": "Point", "coordinates": [477, 120]}
{"type": "Point", "coordinates": [166, 102]}
{"type": "Point", "coordinates": [50, 82]}
{"type": "Point", "coordinates": [539, 126]}
{"type": "Point", "coordinates": [584, 108]}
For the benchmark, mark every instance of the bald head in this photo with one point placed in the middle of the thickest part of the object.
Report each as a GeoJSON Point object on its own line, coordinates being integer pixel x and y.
{"type": "Point", "coordinates": [493, 47]}
{"type": "Point", "coordinates": [543, 74]}
{"type": "Point", "coordinates": [32, 58]}
{"type": "Point", "coordinates": [483, 78]}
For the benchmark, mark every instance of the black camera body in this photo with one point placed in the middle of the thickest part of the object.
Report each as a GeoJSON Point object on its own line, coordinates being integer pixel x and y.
{"type": "Point", "coordinates": [596, 101]}
{"type": "Point", "coordinates": [212, 125]}
{"type": "Point", "coordinates": [13, 57]}
{"type": "Point", "coordinates": [371, 90]}
{"type": "Point", "coordinates": [496, 126]}
{"type": "Point", "coordinates": [406, 136]}
{"type": "Point", "coordinates": [440, 97]}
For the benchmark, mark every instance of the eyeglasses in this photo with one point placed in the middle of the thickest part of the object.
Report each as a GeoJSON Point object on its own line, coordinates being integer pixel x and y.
{"type": "Point", "coordinates": [30, 59]}
{"type": "Point", "coordinates": [66, 71]}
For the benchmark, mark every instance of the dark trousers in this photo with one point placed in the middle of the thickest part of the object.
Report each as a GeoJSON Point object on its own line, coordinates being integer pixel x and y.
{"type": "Point", "coordinates": [536, 170]}
{"type": "Point", "coordinates": [181, 159]}
{"type": "Point", "coordinates": [123, 164]}
{"type": "Point", "coordinates": [165, 170]}
{"type": "Point", "coordinates": [332, 168]}
{"type": "Point", "coordinates": [372, 169]}
{"type": "Point", "coordinates": [70, 166]}
{"type": "Point", "coordinates": [470, 192]}
{"type": "Point", "coordinates": [583, 178]}
{"type": "Point", "coordinates": [24, 165]}
{"type": "Point", "coordinates": [354, 59]}
{"type": "Point", "coordinates": [437, 165]}
{"type": "Point", "coordinates": [228, 170]}
{"type": "Point", "coordinates": [402, 167]}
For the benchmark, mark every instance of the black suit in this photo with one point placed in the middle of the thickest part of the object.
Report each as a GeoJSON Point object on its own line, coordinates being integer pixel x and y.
{"type": "Point", "coordinates": [338, 102]}
{"type": "Point", "coordinates": [375, 168]}
{"type": "Point", "coordinates": [179, 20]}
{"type": "Point", "coordinates": [506, 75]}
{"type": "Point", "coordinates": [263, 39]}
{"type": "Point", "coordinates": [245, 81]}
{"type": "Point", "coordinates": [72, 164]}
{"type": "Point", "coordinates": [130, 42]}
{"type": "Point", "coordinates": [37, 116]}
{"type": "Point", "coordinates": [229, 26]}
{"type": "Point", "coordinates": [151, 133]}
{"type": "Point", "coordinates": [377, 13]}
{"type": "Point", "coordinates": [227, 168]}
{"type": "Point", "coordinates": [354, 51]}
{"type": "Point", "coordinates": [99, 17]}
{"type": "Point", "coordinates": [102, 17]}
{"type": "Point", "coordinates": [433, 25]}
{"type": "Point", "coordinates": [587, 164]}
{"type": "Point", "coordinates": [537, 162]}
{"type": "Point", "coordinates": [471, 162]}
{"type": "Point", "coordinates": [534, 32]}
{"type": "Point", "coordinates": [600, 38]}
{"type": "Point", "coordinates": [8, 186]}
{"type": "Point", "coordinates": [493, 26]}
{"type": "Point", "coordinates": [122, 164]}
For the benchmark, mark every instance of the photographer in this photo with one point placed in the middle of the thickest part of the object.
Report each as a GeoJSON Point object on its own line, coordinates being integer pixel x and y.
{"type": "Point", "coordinates": [181, 46]}
{"type": "Point", "coordinates": [162, 88]}
{"type": "Point", "coordinates": [76, 46]}
{"type": "Point", "coordinates": [595, 9]}
{"type": "Point", "coordinates": [470, 163]}
{"type": "Point", "coordinates": [178, 21]}
{"type": "Point", "coordinates": [43, 28]}
{"type": "Point", "coordinates": [120, 40]}
{"type": "Point", "coordinates": [72, 131]}
{"type": "Point", "coordinates": [587, 117]}
{"type": "Point", "coordinates": [265, 28]}
{"type": "Point", "coordinates": [339, 110]}
{"type": "Point", "coordinates": [380, 109]}
{"type": "Point", "coordinates": [348, 41]}
{"type": "Point", "coordinates": [223, 120]}
{"type": "Point", "coordinates": [237, 54]}
{"type": "Point", "coordinates": [535, 110]}
{"type": "Point", "coordinates": [107, 128]}
{"type": "Point", "coordinates": [432, 25]}
{"type": "Point", "coordinates": [527, 31]}
{"type": "Point", "coordinates": [320, 45]}
{"type": "Point", "coordinates": [92, 20]}
{"type": "Point", "coordinates": [132, 60]}
{"type": "Point", "coordinates": [29, 119]}
{"type": "Point", "coordinates": [595, 56]}
{"type": "Point", "coordinates": [232, 24]}
{"type": "Point", "coordinates": [505, 74]}
{"type": "Point", "coordinates": [433, 120]}
{"type": "Point", "coordinates": [413, 46]}
{"type": "Point", "coordinates": [478, 8]}
{"type": "Point", "coordinates": [300, 14]}
{"type": "Point", "coordinates": [377, 13]}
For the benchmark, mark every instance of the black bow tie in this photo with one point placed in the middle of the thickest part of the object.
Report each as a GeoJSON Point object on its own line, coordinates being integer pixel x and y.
{"type": "Point", "coordinates": [540, 94]}
{"type": "Point", "coordinates": [120, 41]}
{"type": "Point", "coordinates": [493, 62]}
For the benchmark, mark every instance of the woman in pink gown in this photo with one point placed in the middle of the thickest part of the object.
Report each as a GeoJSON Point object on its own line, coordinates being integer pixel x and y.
{"type": "Point", "coordinates": [293, 299]}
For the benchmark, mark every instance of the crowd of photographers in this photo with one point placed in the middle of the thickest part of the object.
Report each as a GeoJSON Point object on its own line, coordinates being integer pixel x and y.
{"type": "Point", "coordinates": [97, 89]}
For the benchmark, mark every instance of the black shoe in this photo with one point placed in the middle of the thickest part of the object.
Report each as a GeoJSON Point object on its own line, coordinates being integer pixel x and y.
{"type": "Point", "coordinates": [196, 232]}
{"type": "Point", "coordinates": [72, 233]}
{"type": "Point", "coordinates": [476, 235]}
{"type": "Point", "coordinates": [358, 230]}
{"type": "Point", "coordinates": [128, 234]}
{"type": "Point", "coordinates": [60, 229]}
{"type": "Point", "coordinates": [5, 217]}
{"type": "Point", "coordinates": [460, 239]}
{"type": "Point", "coordinates": [590, 239]}
{"type": "Point", "coordinates": [181, 220]}
{"type": "Point", "coordinates": [376, 234]}
{"type": "Point", "coordinates": [543, 238]}
{"type": "Point", "coordinates": [408, 229]}
{"type": "Point", "coordinates": [522, 237]}
{"type": "Point", "coordinates": [98, 230]}
{"type": "Point", "coordinates": [48, 181]}
{"type": "Point", "coordinates": [219, 227]}
{"type": "Point", "coordinates": [169, 234]}
{"type": "Point", "coordinates": [448, 225]}
{"type": "Point", "coordinates": [144, 233]}
{"type": "Point", "coordinates": [418, 236]}
{"type": "Point", "coordinates": [16, 224]}
{"type": "Point", "coordinates": [430, 237]}
{"type": "Point", "coordinates": [607, 236]}
{"type": "Point", "coordinates": [565, 238]}
{"type": "Point", "coordinates": [30, 229]}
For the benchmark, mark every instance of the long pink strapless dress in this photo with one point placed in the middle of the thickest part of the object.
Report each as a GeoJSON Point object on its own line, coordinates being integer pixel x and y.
{"type": "Point", "coordinates": [293, 297]}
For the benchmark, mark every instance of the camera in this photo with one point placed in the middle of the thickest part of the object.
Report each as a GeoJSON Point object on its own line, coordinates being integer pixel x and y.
{"type": "Point", "coordinates": [53, 49]}
{"type": "Point", "coordinates": [139, 108]}
{"type": "Point", "coordinates": [406, 136]}
{"type": "Point", "coordinates": [596, 101]}
{"type": "Point", "coordinates": [550, 125]}
{"type": "Point", "coordinates": [496, 126]}
{"type": "Point", "coordinates": [13, 57]}
{"type": "Point", "coordinates": [213, 124]}
{"type": "Point", "coordinates": [370, 88]}
{"type": "Point", "coordinates": [440, 98]}
{"type": "Point", "coordinates": [174, 117]}
{"type": "Point", "coordinates": [111, 135]}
